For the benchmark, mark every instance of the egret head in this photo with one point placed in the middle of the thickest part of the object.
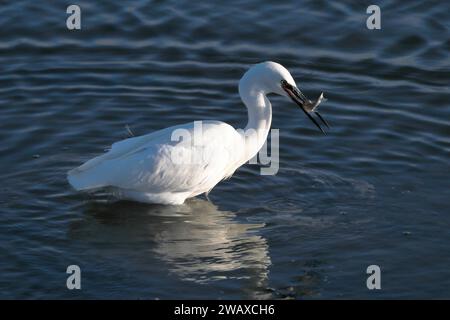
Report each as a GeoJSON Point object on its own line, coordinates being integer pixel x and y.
{"type": "Point", "coordinates": [272, 77]}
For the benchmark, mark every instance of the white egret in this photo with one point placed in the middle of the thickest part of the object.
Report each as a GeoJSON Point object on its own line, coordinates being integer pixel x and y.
{"type": "Point", "coordinates": [173, 164]}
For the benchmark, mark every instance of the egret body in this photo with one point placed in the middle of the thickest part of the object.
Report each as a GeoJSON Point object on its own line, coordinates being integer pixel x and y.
{"type": "Point", "coordinates": [173, 164]}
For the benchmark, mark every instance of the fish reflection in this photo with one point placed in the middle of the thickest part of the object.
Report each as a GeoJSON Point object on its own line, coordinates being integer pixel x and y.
{"type": "Point", "coordinates": [197, 241]}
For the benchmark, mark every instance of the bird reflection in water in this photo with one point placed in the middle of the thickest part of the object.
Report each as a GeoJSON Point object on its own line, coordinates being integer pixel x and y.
{"type": "Point", "coordinates": [197, 241]}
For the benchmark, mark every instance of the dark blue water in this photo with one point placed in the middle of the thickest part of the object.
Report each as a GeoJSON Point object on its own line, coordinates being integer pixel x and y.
{"type": "Point", "coordinates": [375, 190]}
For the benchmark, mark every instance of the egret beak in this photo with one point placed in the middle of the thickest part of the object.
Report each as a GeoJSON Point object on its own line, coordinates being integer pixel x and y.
{"type": "Point", "coordinates": [305, 104]}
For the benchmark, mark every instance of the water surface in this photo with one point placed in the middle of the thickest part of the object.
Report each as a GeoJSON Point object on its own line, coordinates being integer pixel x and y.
{"type": "Point", "coordinates": [373, 191]}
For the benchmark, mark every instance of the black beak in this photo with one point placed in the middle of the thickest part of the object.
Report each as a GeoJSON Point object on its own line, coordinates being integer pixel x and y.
{"type": "Point", "coordinates": [305, 104]}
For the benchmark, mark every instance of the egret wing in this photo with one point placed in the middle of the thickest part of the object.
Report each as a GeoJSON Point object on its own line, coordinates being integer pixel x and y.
{"type": "Point", "coordinates": [159, 163]}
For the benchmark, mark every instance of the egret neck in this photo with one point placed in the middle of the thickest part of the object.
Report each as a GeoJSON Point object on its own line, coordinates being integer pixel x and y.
{"type": "Point", "coordinates": [253, 95]}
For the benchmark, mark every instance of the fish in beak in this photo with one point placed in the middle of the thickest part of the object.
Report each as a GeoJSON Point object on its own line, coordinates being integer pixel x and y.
{"type": "Point", "coordinates": [305, 104]}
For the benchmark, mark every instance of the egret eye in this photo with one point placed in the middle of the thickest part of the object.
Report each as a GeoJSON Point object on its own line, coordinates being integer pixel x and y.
{"type": "Point", "coordinates": [286, 85]}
